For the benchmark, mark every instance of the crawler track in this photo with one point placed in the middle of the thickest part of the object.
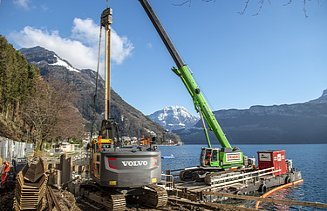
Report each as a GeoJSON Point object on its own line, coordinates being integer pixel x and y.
{"type": "Point", "coordinates": [108, 200]}
{"type": "Point", "coordinates": [154, 196]}
{"type": "Point", "coordinates": [151, 196]}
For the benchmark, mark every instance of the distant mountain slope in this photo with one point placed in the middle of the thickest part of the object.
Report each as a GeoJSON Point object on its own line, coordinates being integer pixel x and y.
{"type": "Point", "coordinates": [174, 118]}
{"type": "Point", "coordinates": [133, 123]}
{"type": "Point", "coordinates": [294, 123]}
{"type": "Point", "coordinates": [322, 99]}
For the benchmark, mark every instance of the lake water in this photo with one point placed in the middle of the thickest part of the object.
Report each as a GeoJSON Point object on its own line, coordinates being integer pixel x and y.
{"type": "Point", "coordinates": [311, 159]}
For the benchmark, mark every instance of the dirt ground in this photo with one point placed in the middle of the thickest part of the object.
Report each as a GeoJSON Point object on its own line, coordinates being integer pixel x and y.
{"type": "Point", "coordinates": [6, 200]}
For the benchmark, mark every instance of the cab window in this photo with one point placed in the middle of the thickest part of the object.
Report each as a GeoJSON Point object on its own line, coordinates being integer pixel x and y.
{"type": "Point", "coordinates": [214, 157]}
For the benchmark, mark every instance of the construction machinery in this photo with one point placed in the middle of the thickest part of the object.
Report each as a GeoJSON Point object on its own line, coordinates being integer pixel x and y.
{"type": "Point", "coordinates": [211, 159]}
{"type": "Point", "coordinates": [145, 141]}
{"type": "Point", "coordinates": [119, 172]}
{"type": "Point", "coordinates": [123, 172]}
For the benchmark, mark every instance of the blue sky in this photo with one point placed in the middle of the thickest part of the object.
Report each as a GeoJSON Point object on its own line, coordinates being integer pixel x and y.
{"type": "Point", "coordinates": [276, 57]}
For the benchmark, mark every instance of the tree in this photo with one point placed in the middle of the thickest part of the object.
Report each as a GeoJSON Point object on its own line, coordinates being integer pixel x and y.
{"type": "Point", "coordinates": [51, 114]}
{"type": "Point", "coordinates": [16, 77]}
{"type": "Point", "coordinates": [70, 123]}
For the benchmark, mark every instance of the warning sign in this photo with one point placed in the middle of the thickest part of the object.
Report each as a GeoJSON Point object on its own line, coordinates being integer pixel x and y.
{"type": "Point", "coordinates": [233, 157]}
{"type": "Point", "coordinates": [264, 156]}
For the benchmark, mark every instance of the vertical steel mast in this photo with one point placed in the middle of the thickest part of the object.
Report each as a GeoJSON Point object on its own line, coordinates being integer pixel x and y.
{"type": "Point", "coordinates": [106, 21]}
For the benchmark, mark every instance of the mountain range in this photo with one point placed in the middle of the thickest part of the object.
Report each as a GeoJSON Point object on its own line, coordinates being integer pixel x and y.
{"type": "Point", "coordinates": [301, 123]}
{"type": "Point", "coordinates": [132, 122]}
{"type": "Point", "coordinates": [293, 123]}
{"type": "Point", "coordinates": [174, 118]}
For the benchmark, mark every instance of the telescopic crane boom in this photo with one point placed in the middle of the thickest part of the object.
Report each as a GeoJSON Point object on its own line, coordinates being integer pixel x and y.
{"type": "Point", "coordinates": [199, 100]}
{"type": "Point", "coordinates": [185, 74]}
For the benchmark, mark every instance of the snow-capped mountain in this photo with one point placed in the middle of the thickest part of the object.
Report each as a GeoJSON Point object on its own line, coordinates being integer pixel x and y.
{"type": "Point", "coordinates": [64, 63]}
{"type": "Point", "coordinates": [174, 118]}
{"type": "Point", "coordinates": [40, 56]}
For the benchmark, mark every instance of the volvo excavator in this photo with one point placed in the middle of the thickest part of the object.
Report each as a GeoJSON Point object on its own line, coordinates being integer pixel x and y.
{"type": "Point", "coordinates": [120, 174]}
{"type": "Point", "coordinates": [212, 159]}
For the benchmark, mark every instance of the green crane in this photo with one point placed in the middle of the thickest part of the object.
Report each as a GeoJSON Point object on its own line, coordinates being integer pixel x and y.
{"type": "Point", "coordinates": [224, 157]}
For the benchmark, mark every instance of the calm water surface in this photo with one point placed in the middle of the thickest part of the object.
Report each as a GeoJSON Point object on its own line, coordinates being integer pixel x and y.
{"type": "Point", "coordinates": [311, 159]}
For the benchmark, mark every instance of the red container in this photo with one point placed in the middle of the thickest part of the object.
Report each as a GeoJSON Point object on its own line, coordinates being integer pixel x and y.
{"type": "Point", "coordinates": [273, 158]}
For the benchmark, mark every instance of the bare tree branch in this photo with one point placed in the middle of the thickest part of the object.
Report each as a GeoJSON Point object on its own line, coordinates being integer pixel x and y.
{"type": "Point", "coordinates": [183, 3]}
{"type": "Point", "coordinates": [288, 3]}
{"type": "Point", "coordinates": [51, 113]}
{"type": "Point", "coordinates": [245, 7]}
{"type": "Point", "coordinates": [261, 3]}
{"type": "Point", "coordinates": [189, 2]}
{"type": "Point", "coordinates": [247, 4]}
{"type": "Point", "coordinates": [304, 8]}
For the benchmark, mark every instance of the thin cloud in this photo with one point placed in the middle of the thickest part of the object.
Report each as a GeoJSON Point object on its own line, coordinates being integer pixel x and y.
{"type": "Point", "coordinates": [22, 3]}
{"type": "Point", "coordinates": [80, 48]}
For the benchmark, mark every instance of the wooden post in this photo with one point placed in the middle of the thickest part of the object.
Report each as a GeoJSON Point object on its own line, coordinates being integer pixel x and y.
{"type": "Point", "coordinates": [66, 168]}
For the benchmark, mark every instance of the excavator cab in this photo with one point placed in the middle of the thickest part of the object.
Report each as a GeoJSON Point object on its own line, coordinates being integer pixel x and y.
{"type": "Point", "coordinates": [109, 131]}
{"type": "Point", "coordinates": [107, 140]}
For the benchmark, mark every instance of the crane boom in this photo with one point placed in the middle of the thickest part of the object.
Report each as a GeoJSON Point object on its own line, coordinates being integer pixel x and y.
{"type": "Point", "coordinates": [187, 78]}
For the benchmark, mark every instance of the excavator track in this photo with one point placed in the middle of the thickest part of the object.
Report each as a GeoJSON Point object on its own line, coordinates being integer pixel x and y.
{"type": "Point", "coordinates": [117, 202]}
{"type": "Point", "coordinates": [109, 201]}
{"type": "Point", "coordinates": [154, 196]}
{"type": "Point", "coordinates": [150, 196]}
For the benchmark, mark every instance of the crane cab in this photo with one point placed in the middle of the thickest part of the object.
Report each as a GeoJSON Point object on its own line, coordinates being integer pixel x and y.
{"type": "Point", "coordinates": [221, 157]}
{"type": "Point", "coordinates": [209, 157]}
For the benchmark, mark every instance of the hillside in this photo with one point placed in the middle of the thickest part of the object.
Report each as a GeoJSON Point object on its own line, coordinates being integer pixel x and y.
{"type": "Point", "coordinates": [294, 123]}
{"type": "Point", "coordinates": [133, 123]}
{"type": "Point", "coordinates": [17, 78]}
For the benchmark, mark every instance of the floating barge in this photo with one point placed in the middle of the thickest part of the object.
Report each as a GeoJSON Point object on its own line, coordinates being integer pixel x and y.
{"type": "Point", "coordinates": [273, 170]}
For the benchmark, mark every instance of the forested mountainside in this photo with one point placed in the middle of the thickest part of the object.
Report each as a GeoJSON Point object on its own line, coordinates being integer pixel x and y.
{"type": "Point", "coordinates": [132, 122]}
{"type": "Point", "coordinates": [32, 109]}
{"type": "Point", "coordinates": [17, 78]}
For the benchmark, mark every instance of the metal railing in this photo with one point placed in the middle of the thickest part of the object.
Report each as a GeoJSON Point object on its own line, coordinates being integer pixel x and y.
{"type": "Point", "coordinates": [167, 180]}
{"type": "Point", "coordinates": [243, 177]}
